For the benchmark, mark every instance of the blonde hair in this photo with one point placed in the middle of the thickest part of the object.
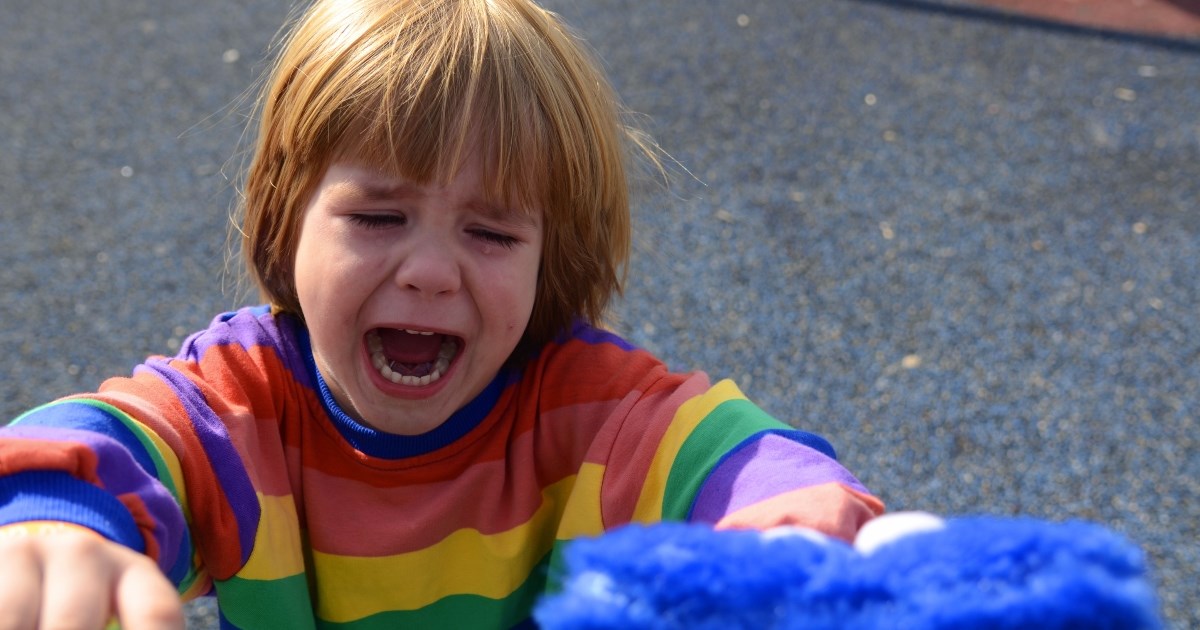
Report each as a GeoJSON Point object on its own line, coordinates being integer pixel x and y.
{"type": "Point", "coordinates": [409, 84]}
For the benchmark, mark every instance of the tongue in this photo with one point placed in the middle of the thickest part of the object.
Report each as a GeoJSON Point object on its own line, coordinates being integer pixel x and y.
{"type": "Point", "coordinates": [402, 347]}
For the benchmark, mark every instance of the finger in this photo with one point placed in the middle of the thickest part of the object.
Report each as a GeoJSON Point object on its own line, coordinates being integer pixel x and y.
{"type": "Point", "coordinates": [145, 599]}
{"type": "Point", "coordinates": [77, 583]}
{"type": "Point", "coordinates": [20, 586]}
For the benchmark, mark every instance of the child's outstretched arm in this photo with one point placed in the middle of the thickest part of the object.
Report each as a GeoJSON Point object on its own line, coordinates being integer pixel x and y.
{"type": "Point", "coordinates": [56, 575]}
{"type": "Point", "coordinates": [678, 447]}
{"type": "Point", "coordinates": [151, 464]}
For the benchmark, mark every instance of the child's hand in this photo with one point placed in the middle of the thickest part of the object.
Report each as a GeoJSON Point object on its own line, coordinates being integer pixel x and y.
{"type": "Point", "coordinates": [54, 575]}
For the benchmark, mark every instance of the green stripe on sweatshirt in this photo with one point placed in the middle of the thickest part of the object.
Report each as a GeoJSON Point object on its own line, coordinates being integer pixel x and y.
{"type": "Point", "coordinates": [727, 426]}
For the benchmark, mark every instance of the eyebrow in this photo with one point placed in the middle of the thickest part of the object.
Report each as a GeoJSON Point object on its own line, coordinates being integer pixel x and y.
{"type": "Point", "coordinates": [503, 214]}
{"type": "Point", "coordinates": [371, 190]}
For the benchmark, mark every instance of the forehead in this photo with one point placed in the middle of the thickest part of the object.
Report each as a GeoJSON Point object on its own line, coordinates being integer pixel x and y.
{"type": "Point", "coordinates": [512, 168]}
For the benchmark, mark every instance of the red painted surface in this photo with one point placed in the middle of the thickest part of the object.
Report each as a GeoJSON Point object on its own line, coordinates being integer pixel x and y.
{"type": "Point", "coordinates": [1172, 18]}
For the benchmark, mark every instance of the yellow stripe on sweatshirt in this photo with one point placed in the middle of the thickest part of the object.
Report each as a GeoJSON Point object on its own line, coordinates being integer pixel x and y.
{"type": "Point", "coordinates": [582, 515]}
{"type": "Point", "coordinates": [465, 562]}
{"type": "Point", "coordinates": [277, 550]}
{"type": "Point", "coordinates": [649, 506]}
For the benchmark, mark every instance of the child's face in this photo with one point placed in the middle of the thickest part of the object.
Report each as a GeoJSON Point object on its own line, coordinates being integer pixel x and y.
{"type": "Point", "coordinates": [414, 295]}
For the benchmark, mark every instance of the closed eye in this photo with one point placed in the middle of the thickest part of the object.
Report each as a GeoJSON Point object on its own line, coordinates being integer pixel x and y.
{"type": "Point", "coordinates": [495, 238]}
{"type": "Point", "coordinates": [378, 221]}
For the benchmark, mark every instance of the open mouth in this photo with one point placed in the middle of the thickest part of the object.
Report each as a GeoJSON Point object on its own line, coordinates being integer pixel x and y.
{"type": "Point", "coordinates": [411, 357]}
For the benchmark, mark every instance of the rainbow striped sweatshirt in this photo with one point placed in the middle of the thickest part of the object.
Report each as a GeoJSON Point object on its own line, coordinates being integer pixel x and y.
{"type": "Point", "coordinates": [232, 466]}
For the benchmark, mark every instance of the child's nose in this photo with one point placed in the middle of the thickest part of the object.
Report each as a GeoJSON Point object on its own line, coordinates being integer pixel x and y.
{"type": "Point", "coordinates": [430, 268]}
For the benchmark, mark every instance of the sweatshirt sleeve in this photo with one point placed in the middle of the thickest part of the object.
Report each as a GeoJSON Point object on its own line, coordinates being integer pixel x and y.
{"type": "Point", "coordinates": [154, 460]}
{"type": "Point", "coordinates": [723, 460]}
{"type": "Point", "coordinates": [678, 447]}
{"type": "Point", "coordinates": [785, 477]}
{"type": "Point", "coordinates": [84, 462]}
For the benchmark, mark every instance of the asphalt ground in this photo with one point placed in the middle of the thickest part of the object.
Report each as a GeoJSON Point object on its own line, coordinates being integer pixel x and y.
{"type": "Point", "coordinates": [964, 248]}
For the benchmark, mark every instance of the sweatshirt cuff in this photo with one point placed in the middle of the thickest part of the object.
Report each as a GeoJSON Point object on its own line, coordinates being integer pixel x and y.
{"type": "Point", "coordinates": [57, 496]}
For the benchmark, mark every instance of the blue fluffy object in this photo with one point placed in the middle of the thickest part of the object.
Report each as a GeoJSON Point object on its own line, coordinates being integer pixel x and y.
{"type": "Point", "coordinates": [969, 573]}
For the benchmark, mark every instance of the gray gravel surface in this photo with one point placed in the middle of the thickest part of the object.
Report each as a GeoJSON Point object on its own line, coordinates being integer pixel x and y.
{"type": "Point", "coordinates": [965, 250]}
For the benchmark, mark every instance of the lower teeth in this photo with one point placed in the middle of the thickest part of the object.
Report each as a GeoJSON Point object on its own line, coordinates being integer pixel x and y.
{"type": "Point", "coordinates": [381, 363]}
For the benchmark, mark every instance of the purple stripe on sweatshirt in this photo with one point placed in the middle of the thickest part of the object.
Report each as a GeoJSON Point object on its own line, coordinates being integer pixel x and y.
{"type": "Point", "coordinates": [592, 335]}
{"type": "Point", "coordinates": [119, 473]}
{"type": "Point", "coordinates": [764, 466]}
{"type": "Point", "coordinates": [250, 328]}
{"type": "Point", "coordinates": [222, 456]}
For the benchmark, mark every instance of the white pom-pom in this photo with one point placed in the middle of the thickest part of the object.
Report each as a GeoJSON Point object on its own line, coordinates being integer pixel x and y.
{"type": "Point", "coordinates": [785, 531]}
{"type": "Point", "coordinates": [890, 527]}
